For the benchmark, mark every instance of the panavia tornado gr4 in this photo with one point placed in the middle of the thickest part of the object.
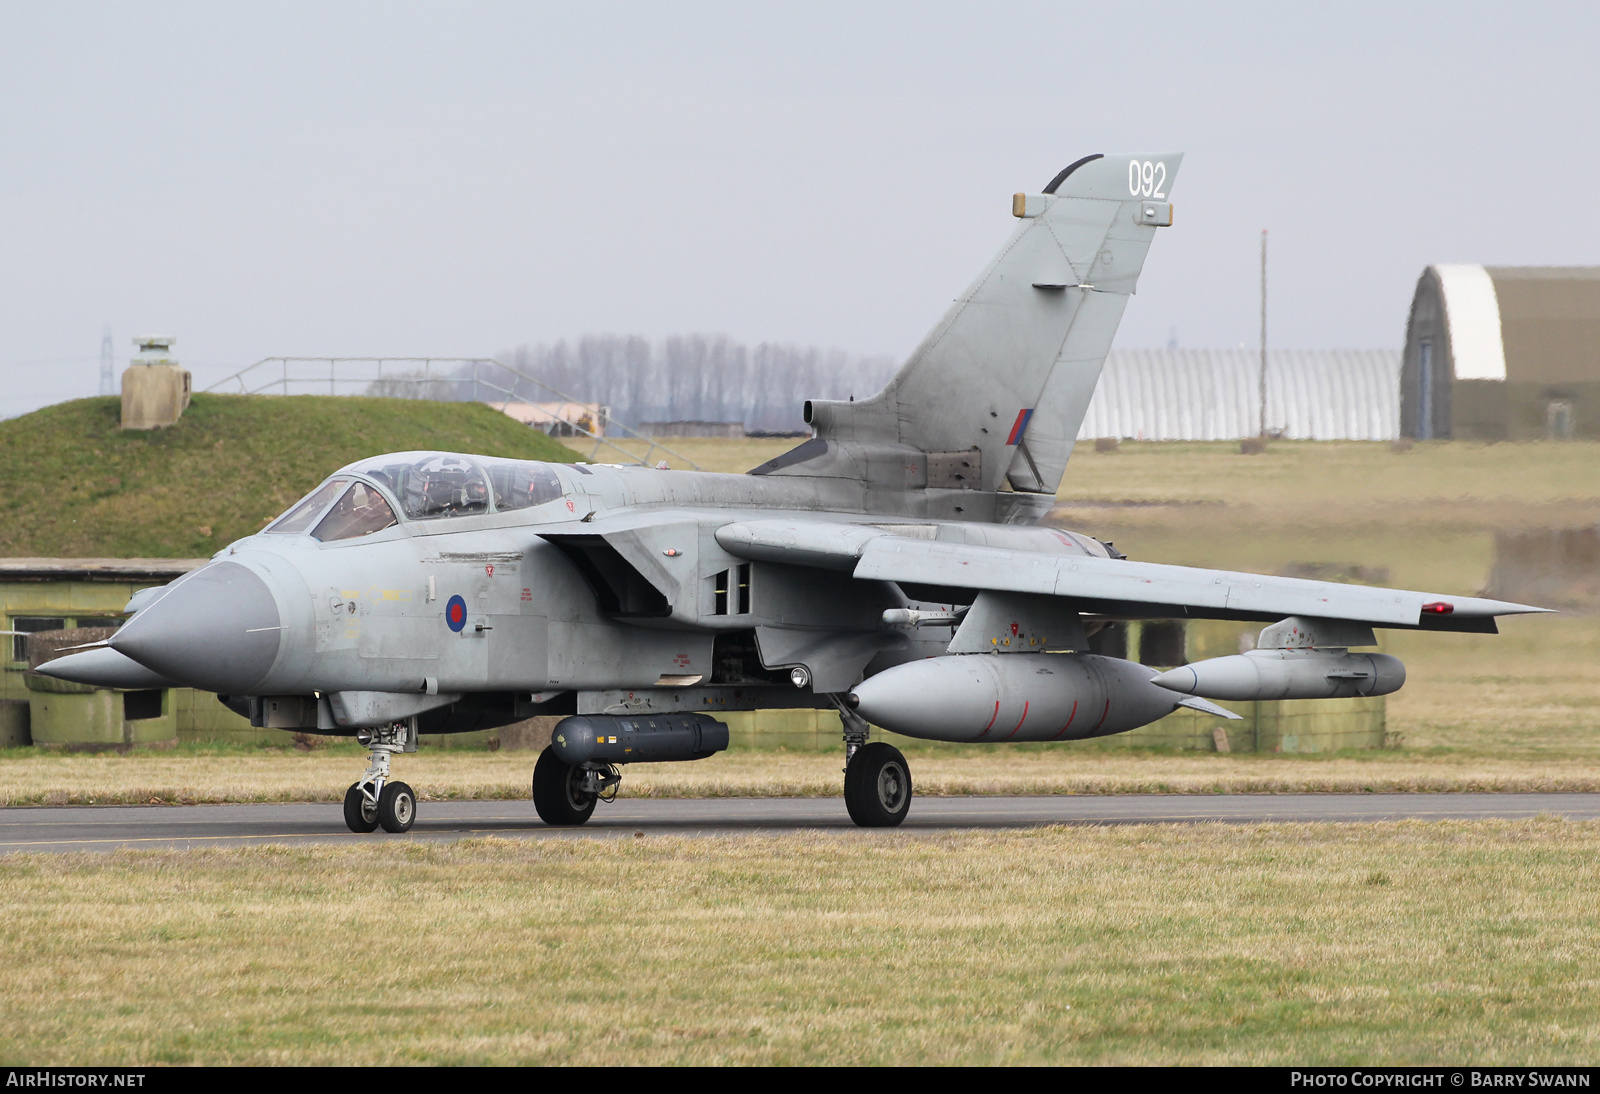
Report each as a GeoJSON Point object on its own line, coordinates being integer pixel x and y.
{"type": "Point", "coordinates": [890, 568]}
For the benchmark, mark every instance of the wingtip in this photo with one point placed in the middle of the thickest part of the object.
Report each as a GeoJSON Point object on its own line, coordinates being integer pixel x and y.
{"type": "Point", "coordinates": [1481, 607]}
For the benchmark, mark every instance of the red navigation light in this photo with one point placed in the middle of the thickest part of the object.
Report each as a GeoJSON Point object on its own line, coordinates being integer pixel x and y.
{"type": "Point", "coordinates": [1438, 607]}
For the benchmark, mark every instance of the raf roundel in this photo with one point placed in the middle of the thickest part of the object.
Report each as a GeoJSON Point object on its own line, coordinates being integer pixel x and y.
{"type": "Point", "coordinates": [455, 613]}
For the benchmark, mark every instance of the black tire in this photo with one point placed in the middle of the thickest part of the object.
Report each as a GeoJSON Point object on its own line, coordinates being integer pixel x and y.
{"type": "Point", "coordinates": [877, 786]}
{"type": "Point", "coordinates": [556, 796]}
{"type": "Point", "coordinates": [360, 815]}
{"type": "Point", "coordinates": [397, 807]}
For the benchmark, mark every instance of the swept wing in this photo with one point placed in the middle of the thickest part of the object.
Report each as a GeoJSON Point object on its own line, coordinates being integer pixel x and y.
{"type": "Point", "coordinates": [1103, 586]}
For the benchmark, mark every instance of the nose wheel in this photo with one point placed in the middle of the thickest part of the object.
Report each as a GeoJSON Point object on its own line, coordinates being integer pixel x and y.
{"type": "Point", "coordinates": [360, 809]}
{"type": "Point", "coordinates": [374, 800]}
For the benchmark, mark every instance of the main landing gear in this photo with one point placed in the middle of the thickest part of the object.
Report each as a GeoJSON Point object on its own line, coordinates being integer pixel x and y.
{"type": "Point", "coordinates": [877, 779]}
{"type": "Point", "coordinates": [372, 800]}
{"type": "Point", "coordinates": [564, 794]}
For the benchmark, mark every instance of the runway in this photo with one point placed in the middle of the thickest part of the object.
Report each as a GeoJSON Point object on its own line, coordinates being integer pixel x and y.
{"type": "Point", "coordinates": [110, 828]}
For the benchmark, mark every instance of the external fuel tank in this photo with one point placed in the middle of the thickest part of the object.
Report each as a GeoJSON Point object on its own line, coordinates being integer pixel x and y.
{"type": "Point", "coordinates": [1013, 697]}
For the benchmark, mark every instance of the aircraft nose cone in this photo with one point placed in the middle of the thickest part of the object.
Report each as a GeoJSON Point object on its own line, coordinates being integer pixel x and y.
{"type": "Point", "coordinates": [217, 630]}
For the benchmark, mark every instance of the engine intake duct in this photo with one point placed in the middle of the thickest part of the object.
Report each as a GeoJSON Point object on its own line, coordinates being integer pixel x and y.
{"type": "Point", "coordinates": [1288, 674]}
{"type": "Point", "coordinates": [642, 738]}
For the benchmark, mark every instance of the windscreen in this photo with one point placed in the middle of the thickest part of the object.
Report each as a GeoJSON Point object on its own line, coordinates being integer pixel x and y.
{"type": "Point", "coordinates": [360, 512]}
{"type": "Point", "coordinates": [299, 518]}
{"type": "Point", "coordinates": [519, 484]}
{"type": "Point", "coordinates": [434, 486]}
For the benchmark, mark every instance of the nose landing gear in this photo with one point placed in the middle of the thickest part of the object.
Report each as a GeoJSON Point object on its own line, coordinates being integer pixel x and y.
{"type": "Point", "coordinates": [373, 800]}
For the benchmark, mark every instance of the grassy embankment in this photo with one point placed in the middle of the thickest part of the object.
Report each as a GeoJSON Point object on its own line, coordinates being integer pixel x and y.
{"type": "Point", "coordinates": [73, 485]}
{"type": "Point", "coordinates": [1411, 943]}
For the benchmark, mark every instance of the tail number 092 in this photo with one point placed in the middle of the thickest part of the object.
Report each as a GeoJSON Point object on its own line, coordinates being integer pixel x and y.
{"type": "Point", "coordinates": [1147, 179]}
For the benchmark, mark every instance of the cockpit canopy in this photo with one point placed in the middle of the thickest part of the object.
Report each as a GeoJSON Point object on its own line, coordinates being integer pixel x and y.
{"type": "Point", "coordinates": [428, 486]}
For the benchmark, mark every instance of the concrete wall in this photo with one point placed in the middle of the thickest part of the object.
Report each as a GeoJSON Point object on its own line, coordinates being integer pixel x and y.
{"type": "Point", "coordinates": [67, 715]}
{"type": "Point", "coordinates": [24, 699]}
{"type": "Point", "coordinates": [1509, 410]}
{"type": "Point", "coordinates": [200, 716]}
{"type": "Point", "coordinates": [154, 396]}
{"type": "Point", "coordinates": [14, 724]}
{"type": "Point", "coordinates": [67, 599]}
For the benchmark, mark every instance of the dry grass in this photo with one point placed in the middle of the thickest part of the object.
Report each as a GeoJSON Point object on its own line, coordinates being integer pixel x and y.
{"type": "Point", "coordinates": [174, 778]}
{"type": "Point", "coordinates": [1530, 693]}
{"type": "Point", "coordinates": [1427, 515]}
{"type": "Point", "coordinates": [1402, 943]}
{"type": "Point", "coordinates": [1351, 475]}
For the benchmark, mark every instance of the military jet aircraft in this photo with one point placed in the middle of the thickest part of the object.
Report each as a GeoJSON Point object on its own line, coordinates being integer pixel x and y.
{"type": "Point", "coordinates": [890, 568]}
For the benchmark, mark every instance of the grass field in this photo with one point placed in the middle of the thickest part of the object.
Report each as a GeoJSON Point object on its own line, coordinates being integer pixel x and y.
{"type": "Point", "coordinates": [1391, 943]}
{"type": "Point", "coordinates": [1427, 516]}
{"type": "Point", "coordinates": [195, 775]}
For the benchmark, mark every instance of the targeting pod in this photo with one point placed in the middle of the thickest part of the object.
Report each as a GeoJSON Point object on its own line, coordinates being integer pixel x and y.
{"type": "Point", "coordinates": [1288, 674]}
{"type": "Point", "coordinates": [637, 738]}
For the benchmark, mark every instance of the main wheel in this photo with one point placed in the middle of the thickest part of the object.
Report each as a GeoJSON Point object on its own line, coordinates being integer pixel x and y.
{"type": "Point", "coordinates": [360, 814]}
{"type": "Point", "coordinates": [558, 793]}
{"type": "Point", "coordinates": [397, 807]}
{"type": "Point", "coordinates": [877, 786]}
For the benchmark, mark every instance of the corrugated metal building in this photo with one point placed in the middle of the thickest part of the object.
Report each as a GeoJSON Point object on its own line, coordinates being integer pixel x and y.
{"type": "Point", "coordinates": [1214, 395]}
{"type": "Point", "coordinates": [1503, 353]}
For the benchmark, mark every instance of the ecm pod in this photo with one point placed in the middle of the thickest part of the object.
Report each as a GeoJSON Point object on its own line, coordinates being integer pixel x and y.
{"type": "Point", "coordinates": [637, 738]}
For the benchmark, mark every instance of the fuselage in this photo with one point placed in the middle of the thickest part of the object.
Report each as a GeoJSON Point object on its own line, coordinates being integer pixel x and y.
{"type": "Point", "coordinates": [593, 576]}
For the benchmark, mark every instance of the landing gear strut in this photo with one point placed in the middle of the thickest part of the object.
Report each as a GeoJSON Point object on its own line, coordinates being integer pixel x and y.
{"type": "Point", "coordinates": [877, 779]}
{"type": "Point", "coordinates": [564, 794]}
{"type": "Point", "coordinates": [374, 800]}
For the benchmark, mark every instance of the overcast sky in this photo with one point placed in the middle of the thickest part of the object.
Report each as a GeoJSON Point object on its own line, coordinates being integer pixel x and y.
{"type": "Point", "coordinates": [335, 178]}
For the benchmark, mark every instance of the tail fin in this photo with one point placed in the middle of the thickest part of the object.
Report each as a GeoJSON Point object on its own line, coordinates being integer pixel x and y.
{"type": "Point", "coordinates": [1011, 367]}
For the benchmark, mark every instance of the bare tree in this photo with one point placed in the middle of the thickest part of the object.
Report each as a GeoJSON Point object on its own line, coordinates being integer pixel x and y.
{"type": "Point", "coordinates": [696, 377]}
